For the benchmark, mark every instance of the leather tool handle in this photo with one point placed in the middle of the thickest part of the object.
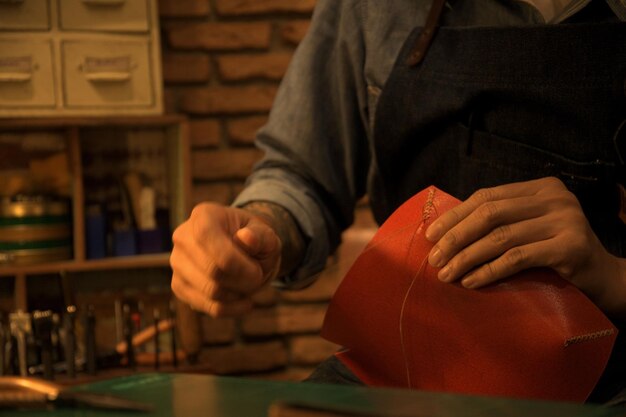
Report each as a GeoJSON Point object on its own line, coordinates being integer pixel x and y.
{"type": "Point", "coordinates": [21, 399]}
{"type": "Point", "coordinates": [70, 340]}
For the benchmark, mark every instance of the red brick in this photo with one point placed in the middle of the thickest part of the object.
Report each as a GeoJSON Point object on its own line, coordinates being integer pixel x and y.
{"type": "Point", "coordinates": [311, 350]}
{"type": "Point", "coordinates": [223, 164]}
{"type": "Point", "coordinates": [271, 66]}
{"type": "Point", "coordinates": [216, 192]}
{"type": "Point", "coordinates": [284, 320]}
{"type": "Point", "coordinates": [186, 68]}
{"type": "Point", "coordinates": [242, 131]}
{"type": "Point", "coordinates": [218, 331]}
{"type": "Point", "coordinates": [246, 7]}
{"type": "Point", "coordinates": [245, 358]}
{"type": "Point", "coordinates": [266, 297]}
{"type": "Point", "coordinates": [220, 36]}
{"type": "Point", "coordinates": [228, 100]}
{"type": "Point", "coordinates": [321, 290]}
{"type": "Point", "coordinates": [205, 133]}
{"type": "Point", "coordinates": [294, 31]}
{"type": "Point", "coordinates": [182, 8]}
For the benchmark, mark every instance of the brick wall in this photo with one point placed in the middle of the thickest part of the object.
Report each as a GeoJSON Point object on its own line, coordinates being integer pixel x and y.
{"type": "Point", "coordinates": [222, 63]}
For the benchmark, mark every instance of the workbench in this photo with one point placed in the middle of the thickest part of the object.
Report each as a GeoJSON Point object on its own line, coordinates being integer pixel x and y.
{"type": "Point", "coordinates": [180, 395]}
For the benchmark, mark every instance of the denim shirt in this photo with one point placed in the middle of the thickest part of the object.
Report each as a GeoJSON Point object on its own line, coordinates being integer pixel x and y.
{"type": "Point", "coordinates": [318, 139]}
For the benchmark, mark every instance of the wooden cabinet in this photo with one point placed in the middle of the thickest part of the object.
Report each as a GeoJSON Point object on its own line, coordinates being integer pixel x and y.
{"type": "Point", "coordinates": [61, 58]}
{"type": "Point", "coordinates": [85, 139]}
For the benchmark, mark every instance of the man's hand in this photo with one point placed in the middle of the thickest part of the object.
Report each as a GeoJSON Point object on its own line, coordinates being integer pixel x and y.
{"type": "Point", "coordinates": [502, 230]}
{"type": "Point", "coordinates": [221, 257]}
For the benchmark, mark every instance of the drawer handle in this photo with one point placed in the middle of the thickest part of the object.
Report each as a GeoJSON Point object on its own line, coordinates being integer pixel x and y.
{"type": "Point", "coordinates": [108, 77]}
{"type": "Point", "coordinates": [114, 3]}
{"type": "Point", "coordinates": [16, 69]}
{"type": "Point", "coordinates": [15, 77]}
{"type": "Point", "coordinates": [114, 69]}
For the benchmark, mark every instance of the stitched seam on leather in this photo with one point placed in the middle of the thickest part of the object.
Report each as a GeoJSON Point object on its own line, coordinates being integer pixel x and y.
{"type": "Point", "coordinates": [589, 336]}
{"type": "Point", "coordinates": [429, 207]}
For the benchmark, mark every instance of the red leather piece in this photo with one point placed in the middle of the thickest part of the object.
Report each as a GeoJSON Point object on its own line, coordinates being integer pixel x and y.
{"type": "Point", "coordinates": [532, 336]}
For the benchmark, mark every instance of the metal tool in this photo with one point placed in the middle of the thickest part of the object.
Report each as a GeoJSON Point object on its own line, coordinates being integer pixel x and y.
{"type": "Point", "coordinates": [59, 367]}
{"type": "Point", "coordinates": [20, 328]}
{"type": "Point", "coordinates": [173, 333]}
{"type": "Point", "coordinates": [42, 324]}
{"type": "Point", "coordinates": [148, 334]}
{"type": "Point", "coordinates": [18, 392]}
{"type": "Point", "coordinates": [157, 349]}
{"type": "Point", "coordinates": [13, 367]}
{"type": "Point", "coordinates": [90, 340]}
{"type": "Point", "coordinates": [119, 321]}
{"type": "Point", "coordinates": [128, 337]}
{"type": "Point", "coordinates": [70, 340]}
{"type": "Point", "coordinates": [57, 341]}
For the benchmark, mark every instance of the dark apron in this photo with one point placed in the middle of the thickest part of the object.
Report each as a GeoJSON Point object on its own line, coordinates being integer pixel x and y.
{"type": "Point", "coordinates": [490, 106]}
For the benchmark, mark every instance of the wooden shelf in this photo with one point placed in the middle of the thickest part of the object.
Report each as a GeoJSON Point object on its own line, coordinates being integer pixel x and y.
{"type": "Point", "coordinates": [76, 132]}
{"type": "Point", "coordinates": [122, 262]}
{"type": "Point", "coordinates": [67, 122]}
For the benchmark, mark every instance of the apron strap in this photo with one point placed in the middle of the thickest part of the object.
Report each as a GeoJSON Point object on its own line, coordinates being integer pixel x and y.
{"type": "Point", "coordinates": [428, 32]}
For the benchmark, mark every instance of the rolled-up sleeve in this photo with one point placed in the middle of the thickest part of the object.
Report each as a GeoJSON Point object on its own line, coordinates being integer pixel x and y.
{"type": "Point", "coordinates": [316, 150]}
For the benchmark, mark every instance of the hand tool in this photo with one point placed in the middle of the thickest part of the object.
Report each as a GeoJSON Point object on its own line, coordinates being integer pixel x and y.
{"type": "Point", "coordinates": [59, 367]}
{"type": "Point", "coordinates": [138, 321]}
{"type": "Point", "coordinates": [128, 337]}
{"type": "Point", "coordinates": [145, 335]}
{"type": "Point", "coordinates": [13, 367]}
{"type": "Point", "coordinates": [57, 341]}
{"type": "Point", "coordinates": [173, 334]}
{"type": "Point", "coordinates": [20, 328]}
{"type": "Point", "coordinates": [21, 393]}
{"type": "Point", "coordinates": [70, 340]}
{"type": "Point", "coordinates": [90, 340]}
{"type": "Point", "coordinates": [119, 321]}
{"type": "Point", "coordinates": [151, 332]}
{"type": "Point", "coordinates": [156, 338]}
{"type": "Point", "coordinates": [42, 324]}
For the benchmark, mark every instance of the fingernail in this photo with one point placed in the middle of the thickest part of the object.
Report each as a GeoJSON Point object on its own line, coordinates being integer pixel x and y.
{"type": "Point", "coordinates": [433, 232]}
{"type": "Point", "coordinates": [469, 283]}
{"type": "Point", "coordinates": [444, 274]}
{"type": "Point", "coordinates": [435, 257]}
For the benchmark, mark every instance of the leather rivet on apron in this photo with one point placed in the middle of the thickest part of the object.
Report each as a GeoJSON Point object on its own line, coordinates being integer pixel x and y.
{"type": "Point", "coordinates": [425, 38]}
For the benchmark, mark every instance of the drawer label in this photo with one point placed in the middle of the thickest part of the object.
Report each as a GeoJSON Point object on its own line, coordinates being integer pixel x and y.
{"type": "Point", "coordinates": [16, 64]}
{"type": "Point", "coordinates": [121, 64]}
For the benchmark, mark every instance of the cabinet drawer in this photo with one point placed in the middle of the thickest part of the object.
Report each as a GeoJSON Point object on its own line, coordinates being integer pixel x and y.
{"type": "Point", "coordinates": [105, 15]}
{"type": "Point", "coordinates": [26, 74]}
{"type": "Point", "coordinates": [107, 74]}
{"type": "Point", "coordinates": [24, 15]}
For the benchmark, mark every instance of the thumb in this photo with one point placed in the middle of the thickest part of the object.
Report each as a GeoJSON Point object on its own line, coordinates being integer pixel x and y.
{"type": "Point", "coordinates": [258, 240]}
{"type": "Point", "coordinates": [262, 243]}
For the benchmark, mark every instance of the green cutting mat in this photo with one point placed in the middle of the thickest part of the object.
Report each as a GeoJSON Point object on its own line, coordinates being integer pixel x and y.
{"type": "Point", "coordinates": [210, 396]}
